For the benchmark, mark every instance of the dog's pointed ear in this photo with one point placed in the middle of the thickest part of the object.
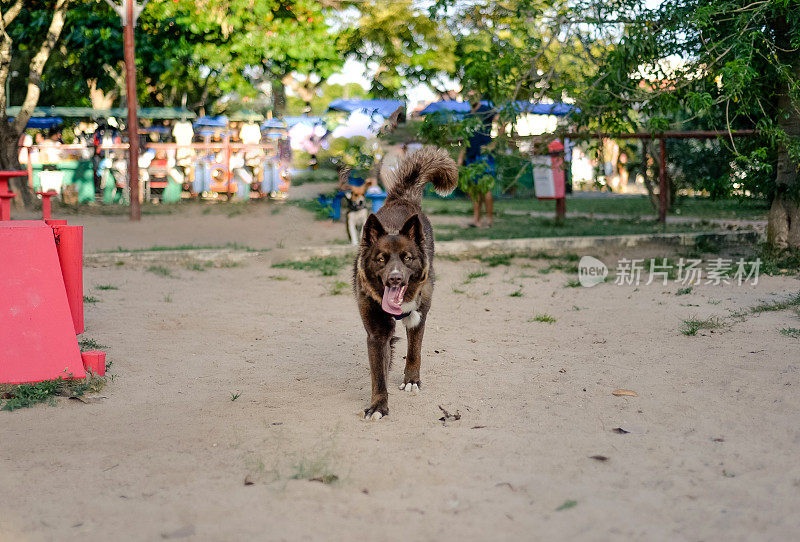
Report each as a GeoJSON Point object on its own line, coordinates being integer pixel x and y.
{"type": "Point", "coordinates": [413, 230]}
{"type": "Point", "coordinates": [373, 230]}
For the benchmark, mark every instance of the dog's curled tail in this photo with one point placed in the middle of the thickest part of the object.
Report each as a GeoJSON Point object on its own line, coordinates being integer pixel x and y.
{"type": "Point", "coordinates": [427, 165]}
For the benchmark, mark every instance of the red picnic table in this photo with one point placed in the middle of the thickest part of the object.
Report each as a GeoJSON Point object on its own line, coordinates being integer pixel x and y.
{"type": "Point", "coordinates": [5, 194]}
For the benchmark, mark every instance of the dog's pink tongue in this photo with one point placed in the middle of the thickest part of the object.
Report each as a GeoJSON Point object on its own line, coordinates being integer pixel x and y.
{"type": "Point", "coordinates": [393, 299]}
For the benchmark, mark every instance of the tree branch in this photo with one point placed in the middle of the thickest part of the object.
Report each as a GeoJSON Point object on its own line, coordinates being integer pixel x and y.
{"type": "Point", "coordinates": [5, 65]}
{"type": "Point", "coordinates": [37, 66]}
{"type": "Point", "coordinates": [11, 14]}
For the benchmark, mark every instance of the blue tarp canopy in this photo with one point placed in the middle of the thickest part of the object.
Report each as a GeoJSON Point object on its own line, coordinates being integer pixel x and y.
{"type": "Point", "coordinates": [211, 122]}
{"type": "Point", "coordinates": [43, 123]}
{"type": "Point", "coordinates": [156, 130]}
{"type": "Point", "coordinates": [557, 109]}
{"type": "Point", "coordinates": [272, 124]}
{"type": "Point", "coordinates": [173, 113]}
{"type": "Point", "coordinates": [449, 106]}
{"type": "Point", "coordinates": [90, 113]}
{"type": "Point", "coordinates": [274, 128]}
{"type": "Point", "coordinates": [311, 121]}
{"type": "Point", "coordinates": [381, 107]}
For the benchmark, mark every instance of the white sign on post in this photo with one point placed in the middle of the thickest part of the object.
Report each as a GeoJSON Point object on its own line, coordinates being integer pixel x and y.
{"type": "Point", "coordinates": [543, 177]}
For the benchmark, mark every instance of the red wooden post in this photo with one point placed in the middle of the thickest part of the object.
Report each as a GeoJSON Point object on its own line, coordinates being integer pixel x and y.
{"type": "Point", "coordinates": [663, 184]}
{"type": "Point", "coordinates": [561, 209]}
{"type": "Point", "coordinates": [133, 121]}
{"type": "Point", "coordinates": [46, 203]}
{"type": "Point", "coordinates": [228, 174]}
{"type": "Point", "coordinates": [556, 150]}
{"type": "Point", "coordinates": [6, 175]}
{"type": "Point", "coordinates": [5, 195]}
{"type": "Point", "coordinates": [5, 205]}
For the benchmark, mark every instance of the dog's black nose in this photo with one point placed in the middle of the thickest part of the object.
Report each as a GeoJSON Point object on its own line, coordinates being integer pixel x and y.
{"type": "Point", "coordinates": [395, 279]}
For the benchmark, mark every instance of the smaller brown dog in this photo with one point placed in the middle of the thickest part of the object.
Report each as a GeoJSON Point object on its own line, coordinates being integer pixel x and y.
{"type": "Point", "coordinates": [393, 272]}
{"type": "Point", "coordinates": [357, 212]}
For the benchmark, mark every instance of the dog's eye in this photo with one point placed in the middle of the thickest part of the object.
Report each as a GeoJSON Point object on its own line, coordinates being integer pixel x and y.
{"type": "Point", "coordinates": [381, 259]}
{"type": "Point", "coordinates": [407, 258]}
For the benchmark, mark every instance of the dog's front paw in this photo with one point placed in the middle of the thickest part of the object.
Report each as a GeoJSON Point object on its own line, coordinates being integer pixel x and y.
{"type": "Point", "coordinates": [377, 411]}
{"type": "Point", "coordinates": [410, 385]}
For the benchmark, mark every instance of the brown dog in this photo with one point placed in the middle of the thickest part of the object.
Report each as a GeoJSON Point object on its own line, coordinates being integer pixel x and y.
{"type": "Point", "coordinates": [393, 272]}
{"type": "Point", "coordinates": [357, 212]}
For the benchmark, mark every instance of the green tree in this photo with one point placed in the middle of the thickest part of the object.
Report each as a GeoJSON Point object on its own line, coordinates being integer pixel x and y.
{"type": "Point", "coordinates": [728, 63]}
{"type": "Point", "coordinates": [298, 50]}
{"type": "Point", "coordinates": [40, 39]}
{"type": "Point", "coordinates": [88, 67]}
{"type": "Point", "coordinates": [323, 96]}
{"type": "Point", "coordinates": [201, 50]}
{"type": "Point", "coordinates": [401, 44]}
{"type": "Point", "coordinates": [525, 50]}
{"type": "Point", "coordinates": [511, 53]}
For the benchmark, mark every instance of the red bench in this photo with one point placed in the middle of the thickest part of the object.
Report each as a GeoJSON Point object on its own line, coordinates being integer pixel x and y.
{"type": "Point", "coordinates": [5, 194]}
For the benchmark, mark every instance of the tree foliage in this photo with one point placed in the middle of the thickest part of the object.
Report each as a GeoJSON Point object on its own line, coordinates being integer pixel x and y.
{"type": "Point", "coordinates": [521, 49]}
{"type": "Point", "coordinates": [203, 50]}
{"type": "Point", "coordinates": [720, 64]}
{"type": "Point", "coordinates": [508, 54]}
{"type": "Point", "coordinates": [401, 45]}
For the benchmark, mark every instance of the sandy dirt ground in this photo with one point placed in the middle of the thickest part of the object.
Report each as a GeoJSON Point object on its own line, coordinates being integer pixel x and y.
{"type": "Point", "coordinates": [711, 450]}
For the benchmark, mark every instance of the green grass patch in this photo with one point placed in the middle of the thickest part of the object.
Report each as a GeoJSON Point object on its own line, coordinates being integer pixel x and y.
{"type": "Point", "coordinates": [321, 212]}
{"type": "Point", "coordinates": [314, 470]}
{"type": "Point", "coordinates": [773, 306]}
{"type": "Point", "coordinates": [90, 299]}
{"type": "Point", "coordinates": [520, 226]}
{"type": "Point", "coordinates": [693, 325]}
{"type": "Point", "coordinates": [475, 275]}
{"type": "Point", "coordinates": [494, 260]}
{"type": "Point", "coordinates": [188, 247]}
{"type": "Point", "coordinates": [105, 287]}
{"type": "Point", "coordinates": [629, 206]}
{"type": "Point", "coordinates": [112, 209]}
{"type": "Point", "coordinates": [572, 283]}
{"type": "Point", "coordinates": [28, 395]}
{"type": "Point", "coordinates": [90, 344]}
{"type": "Point", "coordinates": [779, 262]}
{"type": "Point", "coordinates": [684, 291]}
{"type": "Point", "coordinates": [321, 175]}
{"type": "Point", "coordinates": [339, 287]}
{"type": "Point", "coordinates": [566, 267]}
{"type": "Point", "coordinates": [567, 505]}
{"type": "Point", "coordinates": [516, 293]}
{"type": "Point", "coordinates": [160, 270]}
{"type": "Point", "coordinates": [792, 332]}
{"type": "Point", "coordinates": [327, 266]}
{"type": "Point", "coordinates": [197, 266]}
{"type": "Point", "coordinates": [544, 318]}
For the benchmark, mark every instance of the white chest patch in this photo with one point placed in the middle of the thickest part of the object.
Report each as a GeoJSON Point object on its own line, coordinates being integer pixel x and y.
{"type": "Point", "coordinates": [409, 306]}
{"type": "Point", "coordinates": [412, 320]}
